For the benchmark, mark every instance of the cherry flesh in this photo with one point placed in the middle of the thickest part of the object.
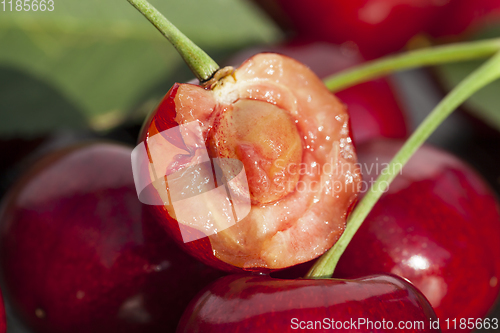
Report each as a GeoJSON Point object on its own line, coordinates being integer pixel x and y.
{"type": "Point", "coordinates": [438, 226]}
{"type": "Point", "coordinates": [264, 304]}
{"type": "Point", "coordinates": [79, 254]}
{"type": "Point", "coordinates": [373, 107]}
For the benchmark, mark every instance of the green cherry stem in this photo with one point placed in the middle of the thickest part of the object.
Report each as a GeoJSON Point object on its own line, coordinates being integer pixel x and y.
{"type": "Point", "coordinates": [413, 59]}
{"type": "Point", "coordinates": [487, 73]}
{"type": "Point", "coordinates": [198, 61]}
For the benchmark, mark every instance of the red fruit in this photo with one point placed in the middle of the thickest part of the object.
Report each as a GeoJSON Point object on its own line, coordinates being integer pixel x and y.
{"type": "Point", "coordinates": [78, 255]}
{"type": "Point", "coordinates": [373, 106]}
{"type": "Point", "coordinates": [465, 15]}
{"type": "Point", "coordinates": [438, 226]}
{"type": "Point", "coordinates": [274, 118]}
{"type": "Point", "coordinates": [264, 304]}
{"type": "Point", "coordinates": [376, 27]}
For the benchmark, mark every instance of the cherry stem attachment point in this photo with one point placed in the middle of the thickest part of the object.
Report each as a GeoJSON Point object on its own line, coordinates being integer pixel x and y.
{"type": "Point", "coordinates": [413, 59]}
{"type": "Point", "coordinates": [200, 63]}
{"type": "Point", "coordinates": [487, 73]}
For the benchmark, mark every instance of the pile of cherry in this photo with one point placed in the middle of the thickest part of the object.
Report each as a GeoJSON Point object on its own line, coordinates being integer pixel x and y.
{"type": "Point", "coordinates": [80, 253]}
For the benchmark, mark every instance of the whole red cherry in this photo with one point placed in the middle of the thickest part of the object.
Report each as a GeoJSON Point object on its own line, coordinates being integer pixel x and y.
{"type": "Point", "coordinates": [373, 106]}
{"type": "Point", "coordinates": [251, 162]}
{"type": "Point", "coordinates": [375, 27]}
{"type": "Point", "coordinates": [79, 254]}
{"type": "Point", "coordinates": [438, 226]}
{"type": "Point", "coordinates": [380, 303]}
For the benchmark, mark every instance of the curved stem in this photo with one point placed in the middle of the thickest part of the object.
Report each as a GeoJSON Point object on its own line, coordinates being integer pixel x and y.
{"type": "Point", "coordinates": [487, 73]}
{"type": "Point", "coordinates": [424, 57]}
{"type": "Point", "coordinates": [198, 61]}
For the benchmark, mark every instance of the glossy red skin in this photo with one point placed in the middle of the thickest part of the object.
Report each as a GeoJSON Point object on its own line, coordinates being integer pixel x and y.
{"type": "Point", "coordinates": [377, 27]}
{"type": "Point", "coordinates": [374, 111]}
{"type": "Point", "coordinates": [264, 304]}
{"type": "Point", "coordinates": [465, 16]}
{"type": "Point", "coordinates": [373, 106]}
{"type": "Point", "coordinates": [77, 246]}
{"type": "Point", "coordinates": [449, 218]}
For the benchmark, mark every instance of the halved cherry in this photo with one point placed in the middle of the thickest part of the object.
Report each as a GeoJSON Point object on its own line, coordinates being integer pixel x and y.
{"type": "Point", "coordinates": [275, 120]}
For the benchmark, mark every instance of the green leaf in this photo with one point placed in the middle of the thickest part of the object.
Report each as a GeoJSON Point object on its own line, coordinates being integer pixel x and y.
{"type": "Point", "coordinates": [102, 57]}
{"type": "Point", "coordinates": [485, 104]}
{"type": "Point", "coordinates": [21, 113]}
